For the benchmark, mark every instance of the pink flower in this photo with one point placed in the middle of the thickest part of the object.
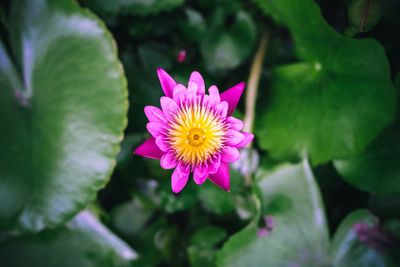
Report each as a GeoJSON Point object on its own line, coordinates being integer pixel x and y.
{"type": "Point", "coordinates": [195, 132]}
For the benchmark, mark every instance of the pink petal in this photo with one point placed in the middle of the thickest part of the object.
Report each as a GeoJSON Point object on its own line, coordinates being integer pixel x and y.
{"type": "Point", "coordinates": [221, 177]}
{"type": "Point", "coordinates": [232, 96]}
{"type": "Point", "coordinates": [230, 154]}
{"type": "Point", "coordinates": [235, 123]}
{"type": "Point", "coordinates": [214, 166]}
{"type": "Point", "coordinates": [179, 93]}
{"type": "Point", "coordinates": [200, 174]}
{"type": "Point", "coordinates": [155, 128]}
{"type": "Point", "coordinates": [248, 137]}
{"type": "Point", "coordinates": [222, 109]}
{"type": "Point", "coordinates": [214, 97]}
{"type": "Point", "coordinates": [161, 143]}
{"type": "Point", "coordinates": [191, 92]}
{"type": "Point", "coordinates": [169, 107]}
{"type": "Point", "coordinates": [168, 161]}
{"type": "Point", "coordinates": [197, 79]}
{"type": "Point", "coordinates": [167, 82]}
{"type": "Point", "coordinates": [149, 149]}
{"type": "Point", "coordinates": [234, 138]}
{"type": "Point", "coordinates": [179, 177]}
{"type": "Point", "coordinates": [154, 114]}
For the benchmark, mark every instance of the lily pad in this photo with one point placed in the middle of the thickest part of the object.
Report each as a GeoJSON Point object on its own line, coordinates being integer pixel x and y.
{"type": "Point", "coordinates": [297, 233]}
{"type": "Point", "coordinates": [335, 102]}
{"type": "Point", "coordinates": [62, 116]}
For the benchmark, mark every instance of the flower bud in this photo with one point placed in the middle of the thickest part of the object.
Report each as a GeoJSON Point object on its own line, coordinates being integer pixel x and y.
{"type": "Point", "coordinates": [364, 14]}
{"type": "Point", "coordinates": [181, 56]}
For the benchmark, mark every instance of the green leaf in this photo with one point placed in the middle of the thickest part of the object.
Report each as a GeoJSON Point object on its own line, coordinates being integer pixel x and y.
{"type": "Point", "coordinates": [299, 234]}
{"type": "Point", "coordinates": [194, 26]}
{"type": "Point", "coordinates": [336, 102]}
{"type": "Point", "coordinates": [377, 169]}
{"type": "Point", "coordinates": [130, 217]}
{"type": "Point", "coordinates": [200, 257]}
{"type": "Point", "coordinates": [167, 241]}
{"type": "Point", "coordinates": [147, 244]}
{"type": "Point", "coordinates": [215, 200]}
{"type": "Point", "coordinates": [132, 7]}
{"type": "Point", "coordinates": [348, 250]}
{"type": "Point", "coordinates": [59, 128]}
{"type": "Point", "coordinates": [207, 236]}
{"type": "Point", "coordinates": [171, 203]}
{"type": "Point", "coordinates": [201, 250]}
{"type": "Point", "coordinates": [82, 242]}
{"type": "Point", "coordinates": [225, 49]}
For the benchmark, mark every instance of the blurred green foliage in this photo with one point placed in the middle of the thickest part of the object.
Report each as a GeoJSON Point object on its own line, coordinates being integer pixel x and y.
{"type": "Point", "coordinates": [326, 190]}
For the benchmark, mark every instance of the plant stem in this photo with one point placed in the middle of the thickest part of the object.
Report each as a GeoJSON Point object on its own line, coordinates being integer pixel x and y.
{"type": "Point", "coordinates": [252, 85]}
{"type": "Point", "coordinates": [251, 92]}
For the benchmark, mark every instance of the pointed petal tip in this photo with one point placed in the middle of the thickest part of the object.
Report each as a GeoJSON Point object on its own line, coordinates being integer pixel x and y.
{"type": "Point", "coordinates": [195, 72]}
{"type": "Point", "coordinates": [179, 178]}
{"type": "Point", "coordinates": [226, 188]}
{"type": "Point", "coordinates": [197, 79]}
{"type": "Point", "coordinates": [148, 149]}
{"type": "Point", "coordinates": [232, 96]}
{"type": "Point", "coordinates": [168, 161]}
{"type": "Point", "coordinates": [168, 106]}
{"type": "Point", "coordinates": [166, 81]}
{"type": "Point", "coordinates": [234, 137]}
{"type": "Point", "coordinates": [200, 174]}
{"type": "Point", "coordinates": [155, 128]}
{"type": "Point", "coordinates": [159, 69]}
{"type": "Point", "coordinates": [176, 191]}
{"type": "Point", "coordinates": [161, 72]}
{"type": "Point", "coordinates": [200, 180]}
{"type": "Point", "coordinates": [239, 87]}
{"type": "Point", "coordinates": [248, 138]}
{"type": "Point", "coordinates": [222, 177]}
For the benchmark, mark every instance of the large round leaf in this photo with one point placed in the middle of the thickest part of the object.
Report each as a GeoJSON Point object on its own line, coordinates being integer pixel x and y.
{"type": "Point", "coordinates": [61, 118]}
{"type": "Point", "coordinates": [299, 234]}
{"type": "Point", "coordinates": [377, 169]}
{"type": "Point", "coordinates": [83, 242]}
{"type": "Point", "coordinates": [333, 105]}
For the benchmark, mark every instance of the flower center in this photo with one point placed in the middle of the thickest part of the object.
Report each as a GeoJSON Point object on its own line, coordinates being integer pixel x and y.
{"type": "Point", "coordinates": [196, 134]}
{"type": "Point", "coordinates": [196, 137]}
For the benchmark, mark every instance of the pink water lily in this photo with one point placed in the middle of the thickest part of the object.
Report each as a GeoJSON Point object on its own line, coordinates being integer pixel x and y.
{"type": "Point", "coordinates": [195, 132]}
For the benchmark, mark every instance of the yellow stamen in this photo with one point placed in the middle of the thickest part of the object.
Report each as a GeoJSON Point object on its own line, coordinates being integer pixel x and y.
{"type": "Point", "coordinates": [196, 134]}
